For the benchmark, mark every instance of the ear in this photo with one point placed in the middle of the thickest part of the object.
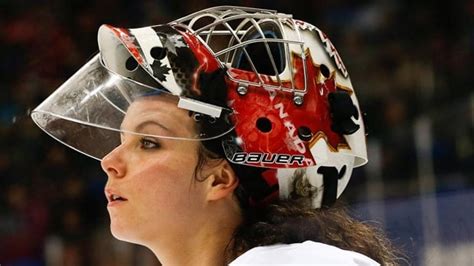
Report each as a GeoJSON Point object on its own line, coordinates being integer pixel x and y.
{"type": "Point", "coordinates": [222, 181]}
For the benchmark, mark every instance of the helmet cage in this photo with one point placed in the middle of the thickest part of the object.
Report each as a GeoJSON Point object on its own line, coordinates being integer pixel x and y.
{"type": "Point", "coordinates": [231, 26]}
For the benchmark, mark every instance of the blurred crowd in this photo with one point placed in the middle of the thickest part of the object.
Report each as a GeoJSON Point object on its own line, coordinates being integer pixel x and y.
{"type": "Point", "coordinates": [410, 62]}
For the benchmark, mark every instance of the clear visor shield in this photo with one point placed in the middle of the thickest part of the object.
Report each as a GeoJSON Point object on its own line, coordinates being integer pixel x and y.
{"type": "Point", "coordinates": [92, 109]}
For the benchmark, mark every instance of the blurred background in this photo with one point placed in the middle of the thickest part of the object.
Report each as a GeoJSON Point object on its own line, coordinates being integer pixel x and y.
{"type": "Point", "coordinates": [411, 63]}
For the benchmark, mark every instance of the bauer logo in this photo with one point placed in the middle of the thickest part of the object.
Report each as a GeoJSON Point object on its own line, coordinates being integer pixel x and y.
{"type": "Point", "coordinates": [267, 158]}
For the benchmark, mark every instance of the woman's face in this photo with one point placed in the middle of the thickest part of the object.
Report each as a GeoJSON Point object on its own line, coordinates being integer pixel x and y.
{"type": "Point", "coordinates": [154, 175]}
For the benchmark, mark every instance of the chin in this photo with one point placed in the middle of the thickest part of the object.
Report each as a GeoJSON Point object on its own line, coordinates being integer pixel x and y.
{"type": "Point", "coordinates": [123, 233]}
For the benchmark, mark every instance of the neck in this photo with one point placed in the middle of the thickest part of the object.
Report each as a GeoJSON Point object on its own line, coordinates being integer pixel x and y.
{"type": "Point", "coordinates": [204, 244]}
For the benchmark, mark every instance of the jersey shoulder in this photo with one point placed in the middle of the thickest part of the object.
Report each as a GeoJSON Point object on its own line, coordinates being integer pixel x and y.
{"type": "Point", "coordinates": [306, 253]}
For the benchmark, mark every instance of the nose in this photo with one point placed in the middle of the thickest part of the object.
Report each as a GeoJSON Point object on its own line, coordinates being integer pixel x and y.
{"type": "Point", "coordinates": [113, 164]}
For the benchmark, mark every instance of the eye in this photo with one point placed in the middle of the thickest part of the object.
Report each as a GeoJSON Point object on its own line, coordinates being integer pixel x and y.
{"type": "Point", "coordinates": [149, 144]}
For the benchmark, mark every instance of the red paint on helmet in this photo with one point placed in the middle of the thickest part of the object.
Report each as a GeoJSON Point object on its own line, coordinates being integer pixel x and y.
{"type": "Point", "coordinates": [284, 116]}
{"type": "Point", "coordinates": [129, 41]}
{"type": "Point", "coordinates": [269, 176]}
{"type": "Point", "coordinates": [206, 61]}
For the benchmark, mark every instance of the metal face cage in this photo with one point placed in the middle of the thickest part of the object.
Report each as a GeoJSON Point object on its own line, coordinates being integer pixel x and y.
{"type": "Point", "coordinates": [237, 35]}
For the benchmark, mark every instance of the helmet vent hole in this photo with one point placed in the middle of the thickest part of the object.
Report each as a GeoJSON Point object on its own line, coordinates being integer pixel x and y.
{"type": "Point", "coordinates": [304, 133]}
{"type": "Point", "coordinates": [131, 64]}
{"type": "Point", "coordinates": [158, 53]}
{"type": "Point", "coordinates": [264, 124]}
{"type": "Point", "coordinates": [324, 70]}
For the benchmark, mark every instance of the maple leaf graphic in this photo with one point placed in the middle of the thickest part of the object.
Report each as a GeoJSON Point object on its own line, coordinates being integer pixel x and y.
{"type": "Point", "coordinates": [174, 41]}
{"type": "Point", "coordinates": [160, 70]}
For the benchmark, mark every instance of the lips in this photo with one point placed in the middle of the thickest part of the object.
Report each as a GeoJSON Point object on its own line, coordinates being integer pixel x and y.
{"type": "Point", "coordinates": [114, 196]}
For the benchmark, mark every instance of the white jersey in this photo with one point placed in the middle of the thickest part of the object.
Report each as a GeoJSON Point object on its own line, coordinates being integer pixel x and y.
{"type": "Point", "coordinates": [306, 253]}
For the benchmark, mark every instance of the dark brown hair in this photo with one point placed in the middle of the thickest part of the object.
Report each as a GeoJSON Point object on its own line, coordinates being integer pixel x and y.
{"type": "Point", "coordinates": [295, 221]}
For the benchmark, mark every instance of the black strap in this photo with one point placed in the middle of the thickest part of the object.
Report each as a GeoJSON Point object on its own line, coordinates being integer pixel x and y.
{"type": "Point", "coordinates": [330, 178]}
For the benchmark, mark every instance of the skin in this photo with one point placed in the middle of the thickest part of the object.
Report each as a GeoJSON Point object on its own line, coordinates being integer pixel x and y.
{"type": "Point", "coordinates": [182, 220]}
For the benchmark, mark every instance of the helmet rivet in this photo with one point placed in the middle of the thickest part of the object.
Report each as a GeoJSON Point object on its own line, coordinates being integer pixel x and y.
{"type": "Point", "coordinates": [197, 117]}
{"type": "Point", "coordinates": [211, 120]}
{"type": "Point", "coordinates": [298, 100]}
{"type": "Point", "coordinates": [304, 133]}
{"type": "Point", "coordinates": [242, 90]}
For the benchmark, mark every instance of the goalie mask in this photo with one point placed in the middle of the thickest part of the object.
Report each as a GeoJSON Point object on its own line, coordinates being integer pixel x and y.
{"type": "Point", "coordinates": [268, 92]}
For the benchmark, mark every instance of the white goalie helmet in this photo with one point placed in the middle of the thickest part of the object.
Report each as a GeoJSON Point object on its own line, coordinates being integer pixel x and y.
{"type": "Point", "coordinates": [270, 90]}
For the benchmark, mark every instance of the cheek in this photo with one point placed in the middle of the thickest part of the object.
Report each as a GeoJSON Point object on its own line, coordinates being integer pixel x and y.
{"type": "Point", "coordinates": [166, 185]}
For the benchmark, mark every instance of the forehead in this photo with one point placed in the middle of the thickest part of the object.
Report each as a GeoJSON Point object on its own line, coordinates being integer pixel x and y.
{"type": "Point", "coordinates": [162, 110]}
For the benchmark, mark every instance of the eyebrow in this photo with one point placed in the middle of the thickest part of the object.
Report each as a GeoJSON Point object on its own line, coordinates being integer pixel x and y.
{"type": "Point", "coordinates": [145, 123]}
